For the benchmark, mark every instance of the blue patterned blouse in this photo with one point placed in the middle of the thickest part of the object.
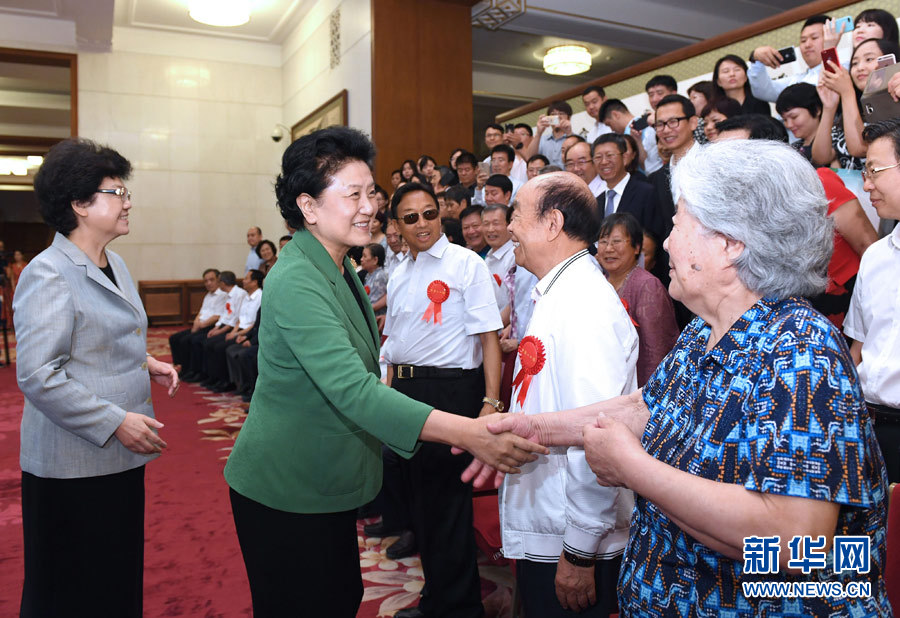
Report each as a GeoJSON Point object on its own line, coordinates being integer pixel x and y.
{"type": "Point", "coordinates": [776, 407]}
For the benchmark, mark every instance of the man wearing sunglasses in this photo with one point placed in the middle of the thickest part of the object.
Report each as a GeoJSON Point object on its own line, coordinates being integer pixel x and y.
{"type": "Point", "coordinates": [442, 349]}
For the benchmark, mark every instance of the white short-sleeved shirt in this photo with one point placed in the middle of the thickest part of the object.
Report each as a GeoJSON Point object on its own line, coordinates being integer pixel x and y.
{"type": "Point", "coordinates": [499, 261]}
{"type": "Point", "coordinates": [874, 320]}
{"type": "Point", "coordinates": [597, 186]}
{"type": "Point", "coordinates": [392, 260]}
{"type": "Point", "coordinates": [249, 307]}
{"type": "Point", "coordinates": [233, 301]}
{"type": "Point", "coordinates": [471, 309]}
{"type": "Point", "coordinates": [591, 350]}
{"type": "Point", "coordinates": [518, 173]}
{"type": "Point", "coordinates": [213, 304]}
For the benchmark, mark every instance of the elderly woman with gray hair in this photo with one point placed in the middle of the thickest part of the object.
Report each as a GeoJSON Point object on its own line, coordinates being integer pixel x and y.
{"type": "Point", "coordinates": [749, 450]}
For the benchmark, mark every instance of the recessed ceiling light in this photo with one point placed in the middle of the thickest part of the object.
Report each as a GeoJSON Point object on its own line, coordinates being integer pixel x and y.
{"type": "Point", "coordinates": [567, 60]}
{"type": "Point", "coordinates": [223, 13]}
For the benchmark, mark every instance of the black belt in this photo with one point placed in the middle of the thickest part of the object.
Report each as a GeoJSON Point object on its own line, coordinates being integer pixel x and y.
{"type": "Point", "coordinates": [884, 414]}
{"type": "Point", "coordinates": [412, 372]}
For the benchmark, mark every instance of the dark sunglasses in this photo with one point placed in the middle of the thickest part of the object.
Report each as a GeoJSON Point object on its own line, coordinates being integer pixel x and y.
{"type": "Point", "coordinates": [430, 215]}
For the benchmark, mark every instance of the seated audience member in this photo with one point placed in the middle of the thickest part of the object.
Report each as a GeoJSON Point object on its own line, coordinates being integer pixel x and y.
{"type": "Point", "coordinates": [535, 164]}
{"type": "Point", "coordinates": [453, 231]}
{"type": "Point", "coordinates": [751, 126]}
{"type": "Point", "coordinates": [376, 277]}
{"type": "Point", "coordinates": [470, 219]}
{"type": "Point", "coordinates": [621, 121]}
{"type": "Point", "coordinates": [840, 132]}
{"type": "Point", "coordinates": [515, 167]}
{"type": "Point", "coordinates": [210, 310]}
{"type": "Point", "coordinates": [730, 80]}
{"type": "Point", "coordinates": [779, 442]}
{"type": "Point", "coordinates": [234, 297]}
{"type": "Point", "coordinates": [593, 98]}
{"type": "Point", "coordinates": [714, 112]}
{"type": "Point", "coordinates": [763, 86]}
{"type": "Point", "coordinates": [381, 199]}
{"type": "Point", "coordinates": [283, 241]}
{"type": "Point", "coordinates": [268, 254]}
{"type": "Point", "coordinates": [408, 170]}
{"type": "Point", "coordinates": [549, 143]}
{"type": "Point", "coordinates": [498, 190]}
{"type": "Point", "coordinates": [501, 164]}
{"type": "Point", "coordinates": [396, 178]}
{"type": "Point", "coordinates": [624, 193]}
{"type": "Point", "coordinates": [801, 110]}
{"type": "Point", "coordinates": [565, 531]}
{"type": "Point", "coordinates": [700, 94]}
{"type": "Point", "coordinates": [659, 87]}
{"type": "Point", "coordinates": [869, 24]}
{"type": "Point", "coordinates": [254, 235]}
{"type": "Point", "coordinates": [241, 361]}
{"type": "Point", "coordinates": [466, 169]}
{"type": "Point", "coordinates": [214, 349]}
{"type": "Point", "coordinates": [872, 319]}
{"type": "Point", "coordinates": [579, 162]}
{"type": "Point", "coordinates": [394, 253]}
{"type": "Point", "coordinates": [456, 199]}
{"type": "Point", "coordinates": [500, 258]}
{"type": "Point", "coordinates": [426, 166]}
{"type": "Point", "coordinates": [644, 297]}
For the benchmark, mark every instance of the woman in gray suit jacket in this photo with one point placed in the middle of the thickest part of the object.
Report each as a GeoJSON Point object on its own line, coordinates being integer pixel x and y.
{"type": "Point", "coordinates": [88, 425]}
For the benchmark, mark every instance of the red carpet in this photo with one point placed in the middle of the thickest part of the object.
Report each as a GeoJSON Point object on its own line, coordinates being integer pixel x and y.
{"type": "Point", "coordinates": [193, 564]}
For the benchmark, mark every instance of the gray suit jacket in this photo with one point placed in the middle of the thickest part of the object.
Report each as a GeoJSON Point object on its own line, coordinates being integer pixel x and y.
{"type": "Point", "coordinates": [81, 363]}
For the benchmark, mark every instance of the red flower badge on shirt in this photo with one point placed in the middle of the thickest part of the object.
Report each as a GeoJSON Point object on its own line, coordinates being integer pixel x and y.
{"type": "Point", "coordinates": [531, 361]}
{"type": "Point", "coordinates": [438, 292]}
{"type": "Point", "coordinates": [368, 291]}
{"type": "Point", "coordinates": [497, 279]}
{"type": "Point", "coordinates": [628, 311]}
{"type": "Point", "coordinates": [228, 308]}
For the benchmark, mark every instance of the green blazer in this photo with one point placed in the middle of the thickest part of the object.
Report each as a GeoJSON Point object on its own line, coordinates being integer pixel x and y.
{"type": "Point", "coordinates": [312, 439]}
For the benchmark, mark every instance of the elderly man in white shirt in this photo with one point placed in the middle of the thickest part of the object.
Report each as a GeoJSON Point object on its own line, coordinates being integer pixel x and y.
{"type": "Point", "coordinates": [500, 258]}
{"type": "Point", "coordinates": [212, 307]}
{"type": "Point", "coordinates": [579, 162]}
{"type": "Point", "coordinates": [253, 262]}
{"type": "Point", "coordinates": [566, 531]}
{"type": "Point", "coordinates": [234, 297]}
{"type": "Point", "coordinates": [216, 364]}
{"type": "Point", "coordinates": [394, 254]}
{"type": "Point", "coordinates": [873, 321]}
{"type": "Point", "coordinates": [442, 349]}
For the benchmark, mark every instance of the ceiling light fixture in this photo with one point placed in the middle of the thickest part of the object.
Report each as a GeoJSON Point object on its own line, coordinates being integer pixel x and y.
{"type": "Point", "coordinates": [567, 60]}
{"type": "Point", "coordinates": [222, 13]}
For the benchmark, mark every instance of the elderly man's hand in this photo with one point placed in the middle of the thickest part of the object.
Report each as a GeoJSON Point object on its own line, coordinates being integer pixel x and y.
{"type": "Point", "coordinates": [610, 447]}
{"type": "Point", "coordinates": [575, 586]}
{"type": "Point", "coordinates": [496, 452]}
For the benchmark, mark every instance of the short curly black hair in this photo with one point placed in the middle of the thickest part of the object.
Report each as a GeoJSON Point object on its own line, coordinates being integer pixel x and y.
{"type": "Point", "coordinates": [309, 163]}
{"type": "Point", "coordinates": [72, 171]}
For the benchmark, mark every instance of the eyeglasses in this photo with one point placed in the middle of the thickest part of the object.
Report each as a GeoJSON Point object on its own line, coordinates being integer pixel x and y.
{"type": "Point", "coordinates": [600, 158]}
{"type": "Point", "coordinates": [616, 243]}
{"type": "Point", "coordinates": [869, 174]}
{"type": "Point", "coordinates": [120, 192]}
{"type": "Point", "coordinates": [578, 163]}
{"type": "Point", "coordinates": [430, 215]}
{"type": "Point", "coordinates": [671, 123]}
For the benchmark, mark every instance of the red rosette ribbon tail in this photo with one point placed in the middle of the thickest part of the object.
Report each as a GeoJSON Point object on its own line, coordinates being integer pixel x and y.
{"type": "Point", "coordinates": [438, 292]}
{"type": "Point", "coordinates": [531, 361]}
{"type": "Point", "coordinates": [497, 279]}
{"type": "Point", "coordinates": [628, 311]}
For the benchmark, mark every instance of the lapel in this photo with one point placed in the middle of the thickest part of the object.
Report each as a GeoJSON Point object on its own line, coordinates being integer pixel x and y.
{"type": "Point", "coordinates": [92, 271]}
{"type": "Point", "coordinates": [627, 193]}
{"type": "Point", "coordinates": [320, 258]}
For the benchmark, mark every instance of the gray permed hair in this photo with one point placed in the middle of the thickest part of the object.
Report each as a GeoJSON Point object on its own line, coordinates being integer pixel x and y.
{"type": "Point", "coordinates": [767, 196]}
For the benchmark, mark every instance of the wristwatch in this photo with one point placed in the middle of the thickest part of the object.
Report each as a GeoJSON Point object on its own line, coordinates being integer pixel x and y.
{"type": "Point", "coordinates": [496, 403]}
{"type": "Point", "coordinates": [576, 560]}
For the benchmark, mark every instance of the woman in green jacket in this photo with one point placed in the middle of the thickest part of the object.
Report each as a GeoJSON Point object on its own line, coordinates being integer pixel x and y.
{"type": "Point", "coordinates": [309, 453]}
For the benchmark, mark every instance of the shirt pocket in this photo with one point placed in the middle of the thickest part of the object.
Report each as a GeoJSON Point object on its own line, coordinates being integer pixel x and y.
{"type": "Point", "coordinates": [341, 460]}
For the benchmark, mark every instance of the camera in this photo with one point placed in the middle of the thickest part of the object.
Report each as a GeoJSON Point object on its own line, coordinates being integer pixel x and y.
{"type": "Point", "coordinates": [277, 134]}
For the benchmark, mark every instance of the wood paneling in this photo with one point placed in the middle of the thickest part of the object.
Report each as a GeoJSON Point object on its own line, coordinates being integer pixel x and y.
{"type": "Point", "coordinates": [761, 27]}
{"type": "Point", "coordinates": [421, 81]}
{"type": "Point", "coordinates": [56, 59]}
{"type": "Point", "coordinates": [171, 302]}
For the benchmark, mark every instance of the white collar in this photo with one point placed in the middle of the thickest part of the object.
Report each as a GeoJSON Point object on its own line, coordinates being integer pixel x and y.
{"type": "Point", "coordinates": [622, 183]}
{"type": "Point", "coordinates": [502, 250]}
{"type": "Point", "coordinates": [438, 248]}
{"type": "Point", "coordinates": [543, 286]}
{"type": "Point", "coordinates": [894, 237]}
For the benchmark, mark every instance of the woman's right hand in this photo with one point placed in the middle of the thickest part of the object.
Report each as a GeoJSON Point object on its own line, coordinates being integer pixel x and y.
{"type": "Point", "coordinates": [137, 435]}
{"type": "Point", "coordinates": [504, 452]}
{"type": "Point", "coordinates": [829, 97]}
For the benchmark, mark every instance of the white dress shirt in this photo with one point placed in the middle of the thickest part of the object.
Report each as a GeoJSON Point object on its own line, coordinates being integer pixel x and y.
{"type": "Point", "coordinates": [471, 309]}
{"type": "Point", "coordinates": [479, 193]}
{"type": "Point", "coordinates": [253, 261]}
{"type": "Point", "coordinates": [618, 190]}
{"type": "Point", "coordinates": [596, 131]}
{"type": "Point", "coordinates": [213, 304]}
{"type": "Point", "coordinates": [874, 319]}
{"type": "Point", "coordinates": [519, 169]}
{"type": "Point", "coordinates": [233, 301]}
{"type": "Point", "coordinates": [392, 260]}
{"type": "Point", "coordinates": [249, 307]}
{"type": "Point", "coordinates": [597, 186]}
{"type": "Point", "coordinates": [499, 261]}
{"type": "Point", "coordinates": [556, 502]}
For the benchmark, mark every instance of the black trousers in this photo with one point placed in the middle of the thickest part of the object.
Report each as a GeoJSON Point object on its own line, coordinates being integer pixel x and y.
{"type": "Point", "coordinates": [84, 545]}
{"type": "Point", "coordinates": [194, 357]}
{"type": "Point", "coordinates": [180, 344]}
{"type": "Point", "coordinates": [441, 504]}
{"type": "Point", "coordinates": [299, 564]}
{"type": "Point", "coordinates": [214, 364]}
{"type": "Point", "coordinates": [394, 497]}
{"type": "Point", "coordinates": [537, 586]}
{"type": "Point", "coordinates": [199, 349]}
{"type": "Point", "coordinates": [887, 431]}
{"type": "Point", "coordinates": [241, 367]}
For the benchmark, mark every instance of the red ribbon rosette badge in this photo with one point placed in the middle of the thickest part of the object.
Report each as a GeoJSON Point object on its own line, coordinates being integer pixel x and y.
{"type": "Point", "coordinates": [531, 361]}
{"type": "Point", "coordinates": [438, 292]}
{"type": "Point", "coordinates": [368, 291]}
{"type": "Point", "coordinates": [228, 308]}
{"type": "Point", "coordinates": [497, 279]}
{"type": "Point", "coordinates": [628, 311]}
